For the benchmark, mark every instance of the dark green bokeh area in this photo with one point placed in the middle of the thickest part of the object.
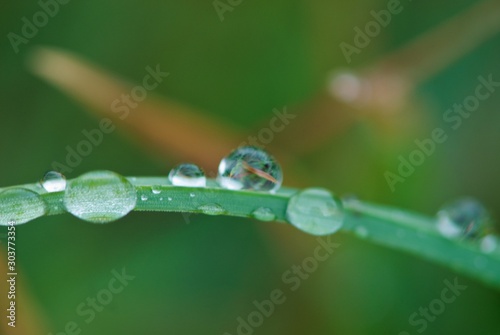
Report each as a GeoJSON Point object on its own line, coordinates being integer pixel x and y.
{"type": "Point", "coordinates": [200, 277]}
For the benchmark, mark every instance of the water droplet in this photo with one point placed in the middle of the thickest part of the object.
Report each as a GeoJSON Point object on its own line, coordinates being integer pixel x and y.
{"type": "Point", "coordinates": [488, 244]}
{"type": "Point", "coordinates": [192, 195]}
{"type": "Point", "coordinates": [264, 214]}
{"type": "Point", "coordinates": [156, 190]}
{"type": "Point", "coordinates": [169, 199]}
{"type": "Point", "coordinates": [161, 199]}
{"type": "Point", "coordinates": [187, 175]}
{"type": "Point", "coordinates": [211, 209]}
{"type": "Point", "coordinates": [100, 197]}
{"type": "Point", "coordinates": [361, 232]}
{"type": "Point", "coordinates": [463, 218]}
{"type": "Point", "coordinates": [250, 168]}
{"type": "Point", "coordinates": [53, 181]}
{"type": "Point", "coordinates": [144, 197]}
{"type": "Point", "coordinates": [315, 211]}
{"type": "Point", "coordinates": [20, 206]}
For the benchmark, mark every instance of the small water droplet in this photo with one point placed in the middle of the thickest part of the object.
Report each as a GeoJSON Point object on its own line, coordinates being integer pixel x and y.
{"type": "Point", "coordinates": [156, 190]}
{"type": "Point", "coordinates": [100, 197]}
{"type": "Point", "coordinates": [169, 199]}
{"type": "Point", "coordinates": [488, 244]}
{"type": "Point", "coordinates": [144, 197]}
{"type": "Point", "coordinates": [53, 181]}
{"type": "Point", "coordinates": [192, 195]}
{"type": "Point", "coordinates": [315, 211]}
{"type": "Point", "coordinates": [361, 232]}
{"type": "Point", "coordinates": [187, 174]}
{"type": "Point", "coordinates": [250, 168]}
{"type": "Point", "coordinates": [211, 209]}
{"type": "Point", "coordinates": [20, 205]}
{"type": "Point", "coordinates": [161, 199]}
{"type": "Point", "coordinates": [463, 218]}
{"type": "Point", "coordinates": [264, 214]}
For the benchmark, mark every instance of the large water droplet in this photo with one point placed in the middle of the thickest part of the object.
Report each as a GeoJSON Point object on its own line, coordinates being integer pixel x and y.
{"type": "Point", "coordinates": [315, 211]}
{"type": "Point", "coordinates": [264, 214]}
{"type": "Point", "coordinates": [211, 209]}
{"type": "Point", "coordinates": [250, 168]}
{"type": "Point", "coordinates": [156, 189]}
{"type": "Point", "coordinates": [20, 205]}
{"type": "Point", "coordinates": [190, 175]}
{"type": "Point", "coordinates": [463, 218]}
{"type": "Point", "coordinates": [100, 197]}
{"type": "Point", "coordinates": [53, 181]}
{"type": "Point", "coordinates": [488, 244]}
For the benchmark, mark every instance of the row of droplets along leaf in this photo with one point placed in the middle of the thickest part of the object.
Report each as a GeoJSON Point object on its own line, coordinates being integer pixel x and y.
{"type": "Point", "coordinates": [104, 196]}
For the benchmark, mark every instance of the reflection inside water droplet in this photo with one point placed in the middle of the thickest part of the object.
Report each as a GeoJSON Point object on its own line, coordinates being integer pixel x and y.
{"type": "Point", "coordinates": [465, 217]}
{"type": "Point", "coordinates": [250, 168]}
{"type": "Point", "coordinates": [53, 181]}
{"type": "Point", "coordinates": [190, 175]}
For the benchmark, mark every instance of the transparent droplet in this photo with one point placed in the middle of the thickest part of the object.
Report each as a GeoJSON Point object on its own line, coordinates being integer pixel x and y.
{"type": "Point", "coordinates": [53, 181]}
{"type": "Point", "coordinates": [156, 190]}
{"type": "Point", "coordinates": [264, 214]}
{"type": "Point", "coordinates": [100, 197]}
{"type": "Point", "coordinates": [192, 195]}
{"type": "Point", "coordinates": [211, 209]}
{"type": "Point", "coordinates": [250, 168]}
{"type": "Point", "coordinates": [169, 199]}
{"type": "Point", "coordinates": [144, 197]}
{"type": "Point", "coordinates": [488, 244]}
{"type": "Point", "coordinates": [20, 205]}
{"type": "Point", "coordinates": [463, 218]}
{"type": "Point", "coordinates": [315, 211]}
{"type": "Point", "coordinates": [190, 175]}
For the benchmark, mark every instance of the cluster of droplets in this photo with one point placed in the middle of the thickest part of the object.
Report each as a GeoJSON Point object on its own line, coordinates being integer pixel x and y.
{"type": "Point", "coordinates": [246, 168]}
{"type": "Point", "coordinates": [104, 196]}
{"type": "Point", "coordinates": [467, 218]}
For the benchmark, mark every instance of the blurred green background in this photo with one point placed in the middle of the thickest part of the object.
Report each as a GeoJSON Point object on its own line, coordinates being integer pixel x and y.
{"type": "Point", "coordinates": [198, 278]}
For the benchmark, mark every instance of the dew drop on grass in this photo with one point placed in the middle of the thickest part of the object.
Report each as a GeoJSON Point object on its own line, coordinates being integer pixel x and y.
{"type": "Point", "coordinates": [100, 197]}
{"type": "Point", "coordinates": [315, 211]}
{"type": "Point", "coordinates": [465, 217]}
{"type": "Point", "coordinates": [264, 214]}
{"type": "Point", "coordinates": [169, 199]}
{"type": "Point", "coordinates": [190, 175]}
{"type": "Point", "coordinates": [20, 205]}
{"type": "Point", "coordinates": [488, 244]}
{"type": "Point", "coordinates": [212, 209]}
{"type": "Point", "coordinates": [250, 168]}
{"type": "Point", "coordinates": [144, 197]}
{"type": "Point", "coordinates": [53, 181]}
{"type": "Point", "coordinates": [155, 190]}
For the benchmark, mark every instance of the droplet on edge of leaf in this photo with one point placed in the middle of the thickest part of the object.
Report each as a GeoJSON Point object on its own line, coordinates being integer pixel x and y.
{"type": "Point", "coordinates": [250, 168]}
{"type": "Point", "coordinates": [20, 205]}
{"type": "Point", "coordinates": [315, 211]}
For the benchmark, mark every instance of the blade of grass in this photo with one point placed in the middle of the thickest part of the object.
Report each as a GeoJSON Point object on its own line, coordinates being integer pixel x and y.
{"type": "Point", "coordinates": [390, 227]}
